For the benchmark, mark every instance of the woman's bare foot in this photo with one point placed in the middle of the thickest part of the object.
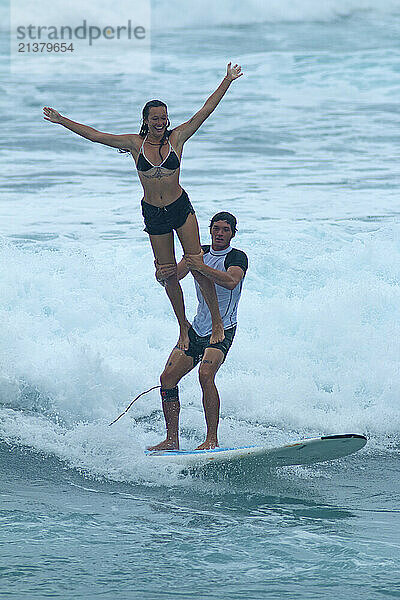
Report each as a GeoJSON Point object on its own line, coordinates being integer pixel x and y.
{"type": "Point", "coordinates": [183, 341]}
{"type": "Point", "coordinates": [165, 445]}
{"type": "Point", "coordinates": [208, 445]}
{"type": "Point", "coordinates": [218, 334]}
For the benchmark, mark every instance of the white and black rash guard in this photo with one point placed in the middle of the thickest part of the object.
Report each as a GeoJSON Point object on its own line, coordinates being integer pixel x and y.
{"type": "Point", "coordinates": [227, 299]}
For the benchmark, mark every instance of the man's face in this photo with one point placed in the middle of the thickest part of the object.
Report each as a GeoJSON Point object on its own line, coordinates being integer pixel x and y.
{"type": "Point", "coordinates": [221, 235]}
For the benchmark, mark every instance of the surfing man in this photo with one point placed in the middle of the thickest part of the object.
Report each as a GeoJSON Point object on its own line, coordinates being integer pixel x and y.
{"type": "Point", "coordinates": [225, 267]}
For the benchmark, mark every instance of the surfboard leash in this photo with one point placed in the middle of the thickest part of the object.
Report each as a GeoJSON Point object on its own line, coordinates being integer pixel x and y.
{"type": "Point", "coordinates": [134, 400]}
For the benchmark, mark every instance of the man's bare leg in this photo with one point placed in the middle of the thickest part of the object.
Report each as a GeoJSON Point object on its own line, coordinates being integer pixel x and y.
{"type": "Point", "coordinates": [209, 366]}
{"type": "Point", "coordinates": [171, 410]}
{"type": "Point", "coordinates": [178, 365]}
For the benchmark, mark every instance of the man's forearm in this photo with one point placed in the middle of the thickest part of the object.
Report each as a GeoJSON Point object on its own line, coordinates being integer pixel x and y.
{"type": "Point", "coordinates": [221, 278]}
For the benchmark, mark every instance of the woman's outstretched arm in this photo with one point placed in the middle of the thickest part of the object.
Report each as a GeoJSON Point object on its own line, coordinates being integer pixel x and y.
{"type": "Point", "coordinates": [186, 130]}
{"type": "Point", "coordinates": [125, 141]}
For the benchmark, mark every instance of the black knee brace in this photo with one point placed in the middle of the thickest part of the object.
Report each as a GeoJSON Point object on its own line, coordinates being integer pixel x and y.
{"type": "Point", "coordinates": [170, 395]}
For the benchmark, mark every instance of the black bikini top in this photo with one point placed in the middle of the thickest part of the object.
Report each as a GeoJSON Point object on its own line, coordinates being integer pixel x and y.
{"type": "Point", "coordinates": [170, 162]}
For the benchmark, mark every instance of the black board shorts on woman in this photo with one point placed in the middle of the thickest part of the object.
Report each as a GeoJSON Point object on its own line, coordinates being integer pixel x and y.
{"type": "Point", "coordinates": [159, 220]}
{"type": "Point", "coordinates": [198, 344]}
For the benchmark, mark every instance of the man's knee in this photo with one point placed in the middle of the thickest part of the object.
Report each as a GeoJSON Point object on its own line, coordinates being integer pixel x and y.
{"type": "Point", "coordinates": [168, 378]}
{"type": "Point", "coordinates": [171, 375]}
{"type": "Point", "coordinates": [206, 372]}
{"type": "Point", "coordinates": [177, 366]}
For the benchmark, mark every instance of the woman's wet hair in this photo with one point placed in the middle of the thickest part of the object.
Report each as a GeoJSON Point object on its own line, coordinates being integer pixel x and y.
{"type": "Point", "coordinates": [144, 129]}
{"type": "Point", "coordinates": [225, 216]}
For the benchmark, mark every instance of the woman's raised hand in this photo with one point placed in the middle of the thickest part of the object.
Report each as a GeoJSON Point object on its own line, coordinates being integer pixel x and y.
{"type": "Point", "coordinates": [233, 72]}
{"type": "Point", "coordinates": [51, 115]}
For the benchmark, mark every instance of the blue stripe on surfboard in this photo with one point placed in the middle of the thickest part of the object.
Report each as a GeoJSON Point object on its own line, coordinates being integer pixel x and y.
{"type": "Point", "coordinates": [186, 452]}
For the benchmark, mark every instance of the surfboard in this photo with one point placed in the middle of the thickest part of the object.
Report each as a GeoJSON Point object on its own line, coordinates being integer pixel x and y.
{"type": "Point", "coordinates": [303, 452]}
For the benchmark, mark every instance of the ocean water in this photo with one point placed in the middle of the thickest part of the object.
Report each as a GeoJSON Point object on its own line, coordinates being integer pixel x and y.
{"type": "Point", "coordinates": [304, 150]}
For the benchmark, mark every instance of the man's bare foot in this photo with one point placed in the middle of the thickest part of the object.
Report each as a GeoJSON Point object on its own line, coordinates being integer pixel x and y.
{"type": "Point", "coordinates": [183, 341]}
{"type": "Point", "coordinates": [218, 334]}
{"type": "Point", "coordinates": [208, 445]}
{"type": "Point", "coordinates": [165, 445]}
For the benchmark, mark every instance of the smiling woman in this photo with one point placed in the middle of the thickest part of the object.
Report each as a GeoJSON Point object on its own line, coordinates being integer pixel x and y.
{"type": "Point", "coordinates": [166, 207]}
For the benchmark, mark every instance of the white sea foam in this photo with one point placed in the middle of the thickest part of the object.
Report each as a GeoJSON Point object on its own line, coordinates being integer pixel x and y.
{"type": "Point", "coordinates": [317, 350]}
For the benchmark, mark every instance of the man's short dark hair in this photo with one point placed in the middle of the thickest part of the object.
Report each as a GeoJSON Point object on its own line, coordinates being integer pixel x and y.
{"type": "Point", "coordinates": [225, 216]}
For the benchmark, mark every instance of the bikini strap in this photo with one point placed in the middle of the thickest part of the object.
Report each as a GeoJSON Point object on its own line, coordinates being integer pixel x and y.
{"type": "Point", "coordinates": [141, 147]}
{"type": "Point", "coordinates": [171, 147]}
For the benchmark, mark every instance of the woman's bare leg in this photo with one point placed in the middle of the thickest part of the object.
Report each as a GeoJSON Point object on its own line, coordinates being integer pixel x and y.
{"type": "Point", "coordinates": [163, 249]}
{"type": "Point", "coordinates": [190, 239]}
{"type": "Point", "coordinates": [207, 288]}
